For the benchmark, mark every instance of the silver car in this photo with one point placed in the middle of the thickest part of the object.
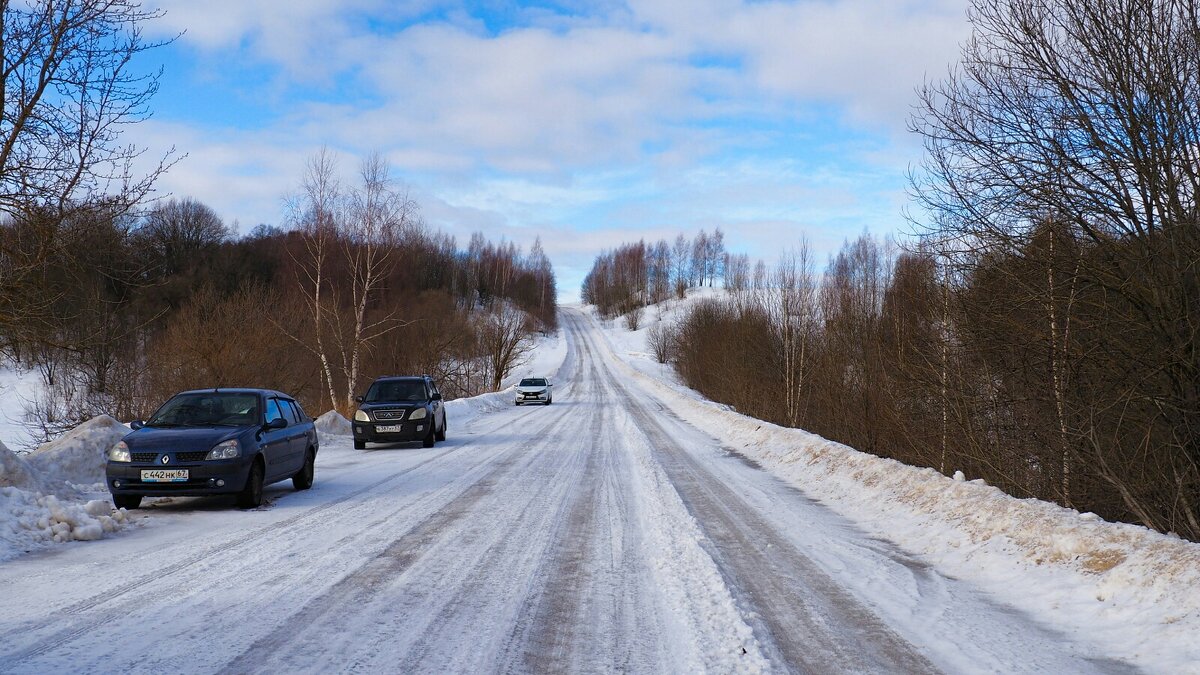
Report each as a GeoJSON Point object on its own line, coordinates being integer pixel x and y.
{"type": "Point", "coordinates": [535, 390]}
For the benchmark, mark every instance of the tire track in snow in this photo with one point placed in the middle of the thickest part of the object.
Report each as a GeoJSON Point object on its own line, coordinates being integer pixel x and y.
{"type": "Point", "coordinates": [366, 582]}
{"type": "Point", "coordinates": [801, 617]}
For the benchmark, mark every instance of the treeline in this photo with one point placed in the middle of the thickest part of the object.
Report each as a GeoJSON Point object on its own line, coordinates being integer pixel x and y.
{"type": "Point", "coordinates": [632, 276]}
{"type": "Point", "coordinates": [118, 311]}
{"type": "Point", "coordinates": [1012, 374]}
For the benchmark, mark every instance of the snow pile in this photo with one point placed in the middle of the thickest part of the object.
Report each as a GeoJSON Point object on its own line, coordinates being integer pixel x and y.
{"type": "Point", "coordinates": [333, 423]}
{"type": "Point", "coordinates": [40, 500]}
{"type": "Point", "coordinates": [1123, 587]}
{"type": "Point", "coordinates": [29, 520]}
{"type": "Point", "coordinates": [78, 456]}
{"type": "Point", "coordinates": [16, 472]}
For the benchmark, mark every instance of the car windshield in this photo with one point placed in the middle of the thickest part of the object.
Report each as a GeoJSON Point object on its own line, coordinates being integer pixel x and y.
{"type": "Point", "coordinates": [396, 390]}
{"type": "Point", "coordinates": [209, 409]}
{"type": "Point", "coordinates": [533, 382]}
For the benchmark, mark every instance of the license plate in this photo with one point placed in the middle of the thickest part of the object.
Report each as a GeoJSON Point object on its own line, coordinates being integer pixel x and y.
{"type": "Point", "coordinates": [164, 475]}
{"type": "Point", "coordinates": [389, 428]}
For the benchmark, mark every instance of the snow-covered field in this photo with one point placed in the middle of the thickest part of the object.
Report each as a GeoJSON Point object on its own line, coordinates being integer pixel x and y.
{"type": "Point", "coordinates": [1132, 592]}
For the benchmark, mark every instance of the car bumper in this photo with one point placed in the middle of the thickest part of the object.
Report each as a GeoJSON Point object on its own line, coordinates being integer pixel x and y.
{"type": "Point", "coordinates": [532, 398]}
{"type": "Point", "coordinates": [215, 478]}
{"type": "Point", "coordinates": [409, 431]}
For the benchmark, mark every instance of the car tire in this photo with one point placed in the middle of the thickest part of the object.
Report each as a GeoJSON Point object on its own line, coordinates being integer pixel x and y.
{"type": "Point", "coordinates": [127, 501]}
{"type": "Point", "coordinates": [430, 438]}
{"type": "Point", "coordinates": [549, 401]}
{"type": "Point", "coordinates": [360, 445]}
{"type": "Point", "coordinates": [251, 495]}
{"type": "Point", "coordinates": [303, 479]}
{"type": "Point", "coordinates": [441, 434]}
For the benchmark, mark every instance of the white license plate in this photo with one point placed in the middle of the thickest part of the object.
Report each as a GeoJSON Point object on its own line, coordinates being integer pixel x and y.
{"type": "Point", "coordinates": [389, 428]}
{"type": "Point", "coordinates": [164, 475]}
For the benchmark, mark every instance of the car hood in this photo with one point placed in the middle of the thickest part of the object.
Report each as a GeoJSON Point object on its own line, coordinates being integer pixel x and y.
{"type": "Point", "coordinates": [181, 439]}
{"type": "Point", "coordinates": [393, 405]}
{"type": "Point", "coordinates": [532, 390]}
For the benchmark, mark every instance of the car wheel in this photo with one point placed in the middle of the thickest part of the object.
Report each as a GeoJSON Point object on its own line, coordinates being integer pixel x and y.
{"type": "Point", "coordinates": [360, 445]}
{"type": "Point", "coordinates": [251, 496]}
{"type": "Point", "coordinates": [441, 434]}
{"type": "Point", "coordinates": [430, 438]}
{"type": "Point", "coordinates": [549, 401]}
{"type": "Point", "coordinates": [304, 477]}
{"type": "Point", "coordinates": [127, 501]}
{"type": "Point", "coordinates": [516, 403]}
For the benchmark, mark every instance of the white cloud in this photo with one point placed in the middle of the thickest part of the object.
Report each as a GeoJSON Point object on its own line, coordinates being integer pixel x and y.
{"type": "Point", "coordinates": [589, 129]}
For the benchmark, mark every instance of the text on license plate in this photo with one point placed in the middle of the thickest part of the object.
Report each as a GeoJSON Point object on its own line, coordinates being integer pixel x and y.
{"type": "Point", "coordinates": [389, 428]}
{"type": "Point", "coordinates": [164, 475]}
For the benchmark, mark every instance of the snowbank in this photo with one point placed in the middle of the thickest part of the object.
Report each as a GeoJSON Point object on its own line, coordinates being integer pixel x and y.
{"type": "Point", "coordinates": [333, 423]}
{"type": "Point", "coordinates": [16, 472]}
{"type": "Point", "coordinates": [1125, 587]}
{"type": "Point", "coordinates": [78, 456]}
{"type": "Point", "coordinates": [40, 499]}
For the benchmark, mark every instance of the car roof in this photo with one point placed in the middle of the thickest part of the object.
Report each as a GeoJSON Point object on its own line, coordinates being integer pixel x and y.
{"type": "Point", "coordinates": [237, 390]}
{"type": "Point", "coordinates": [394, 378]}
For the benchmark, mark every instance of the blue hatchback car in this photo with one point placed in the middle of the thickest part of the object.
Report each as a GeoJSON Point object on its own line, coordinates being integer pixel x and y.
{"type": "Point", "coordinates": [214, 441]}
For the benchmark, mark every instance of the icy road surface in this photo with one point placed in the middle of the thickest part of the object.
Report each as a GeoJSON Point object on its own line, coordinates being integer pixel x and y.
{"type": "Point", "coordinates": [598, 534]}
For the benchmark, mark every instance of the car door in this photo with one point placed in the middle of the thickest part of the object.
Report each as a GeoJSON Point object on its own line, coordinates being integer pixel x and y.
{"type": "Point", "coordinates": [275, 444]}
{"type": "Point", "coordinates": [439, 411]}
{"type": "Point", "coordinates": [298, 438]}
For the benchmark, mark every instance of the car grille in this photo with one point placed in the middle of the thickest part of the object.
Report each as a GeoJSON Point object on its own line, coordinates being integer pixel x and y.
{"type": "Point", "coordinates": [150, 457]}
{"type": "Point", "coordinates": [390, 415]}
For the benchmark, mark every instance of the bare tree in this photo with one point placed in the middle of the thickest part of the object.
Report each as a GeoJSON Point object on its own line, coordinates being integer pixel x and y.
{"type": "Point", "coordinates": [681, 262]}
{"type": "Point", "coordinates": [175, 231]}
{"type": "Point", "coordinates": [362, 226]}
{"type": "Point", "coordinates": [69, 90]}
{"type": "Point", "coordinates": [1084, 114]}
{"type": "Point", "coordinates": [69, 87]}
{"type": "Point", "coordinates": [506, 340]}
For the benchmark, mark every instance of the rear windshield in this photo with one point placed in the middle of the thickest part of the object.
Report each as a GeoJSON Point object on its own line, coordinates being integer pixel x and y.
{"type": "Point", "coordinates": [396, 390]}
{"type": "Point", "coordinates": [207, 410]}
{"type": "Point", "coordinates": [533, 382]}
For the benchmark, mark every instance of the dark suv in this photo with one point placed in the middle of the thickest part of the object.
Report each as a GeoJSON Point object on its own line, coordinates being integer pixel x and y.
{"type": "Point", "coordinates": [400, 409]}
{"type": "Point", "coordinates": [214, 441]}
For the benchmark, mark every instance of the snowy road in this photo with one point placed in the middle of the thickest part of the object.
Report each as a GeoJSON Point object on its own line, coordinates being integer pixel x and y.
{"type": "Point", "coordinates": [598, 534]}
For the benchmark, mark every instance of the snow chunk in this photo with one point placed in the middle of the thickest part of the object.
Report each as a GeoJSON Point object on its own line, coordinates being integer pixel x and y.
{"type": "Point", "coordinates": [960, 476]}
{"type": "Point", "coordinates": [333, 424]}
{"type": "Point", "coordinates": [78, 456]}
{"type": "Point", "coordinates": [30, 520]}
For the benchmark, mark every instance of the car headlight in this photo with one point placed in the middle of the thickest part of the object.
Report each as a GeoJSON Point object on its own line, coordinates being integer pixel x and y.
{"type": "Point", "coordinates": [418, 414]}
{"type": "Point", "coordinates": [227, 450]}
{"type": "Point", "coordinates": [361, 416]}
{"type": "Point", "coordinates": [119, 453]}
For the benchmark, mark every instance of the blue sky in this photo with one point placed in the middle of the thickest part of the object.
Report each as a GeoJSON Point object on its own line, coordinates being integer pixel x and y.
{"type": "Point", "coordinates": [588, 124]}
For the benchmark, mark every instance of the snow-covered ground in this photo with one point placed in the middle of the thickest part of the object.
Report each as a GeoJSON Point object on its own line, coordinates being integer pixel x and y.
{"type": "Point", "coordinates": [631, 526]}
{"type": "Point", "coordinates": [1128, 590]}
{"type": "Point", "coordinates": [17, 389]}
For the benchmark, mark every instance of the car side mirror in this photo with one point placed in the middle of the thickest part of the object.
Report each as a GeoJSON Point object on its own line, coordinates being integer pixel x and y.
{"type": "Point", "coordinates": [358, 399]}
{"type": "Point", "coordinates": [277, 423]}
{"type": "Point", "coordinates": [136, 424]}
{"type": "Point", "coordinates": [436, 397]}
